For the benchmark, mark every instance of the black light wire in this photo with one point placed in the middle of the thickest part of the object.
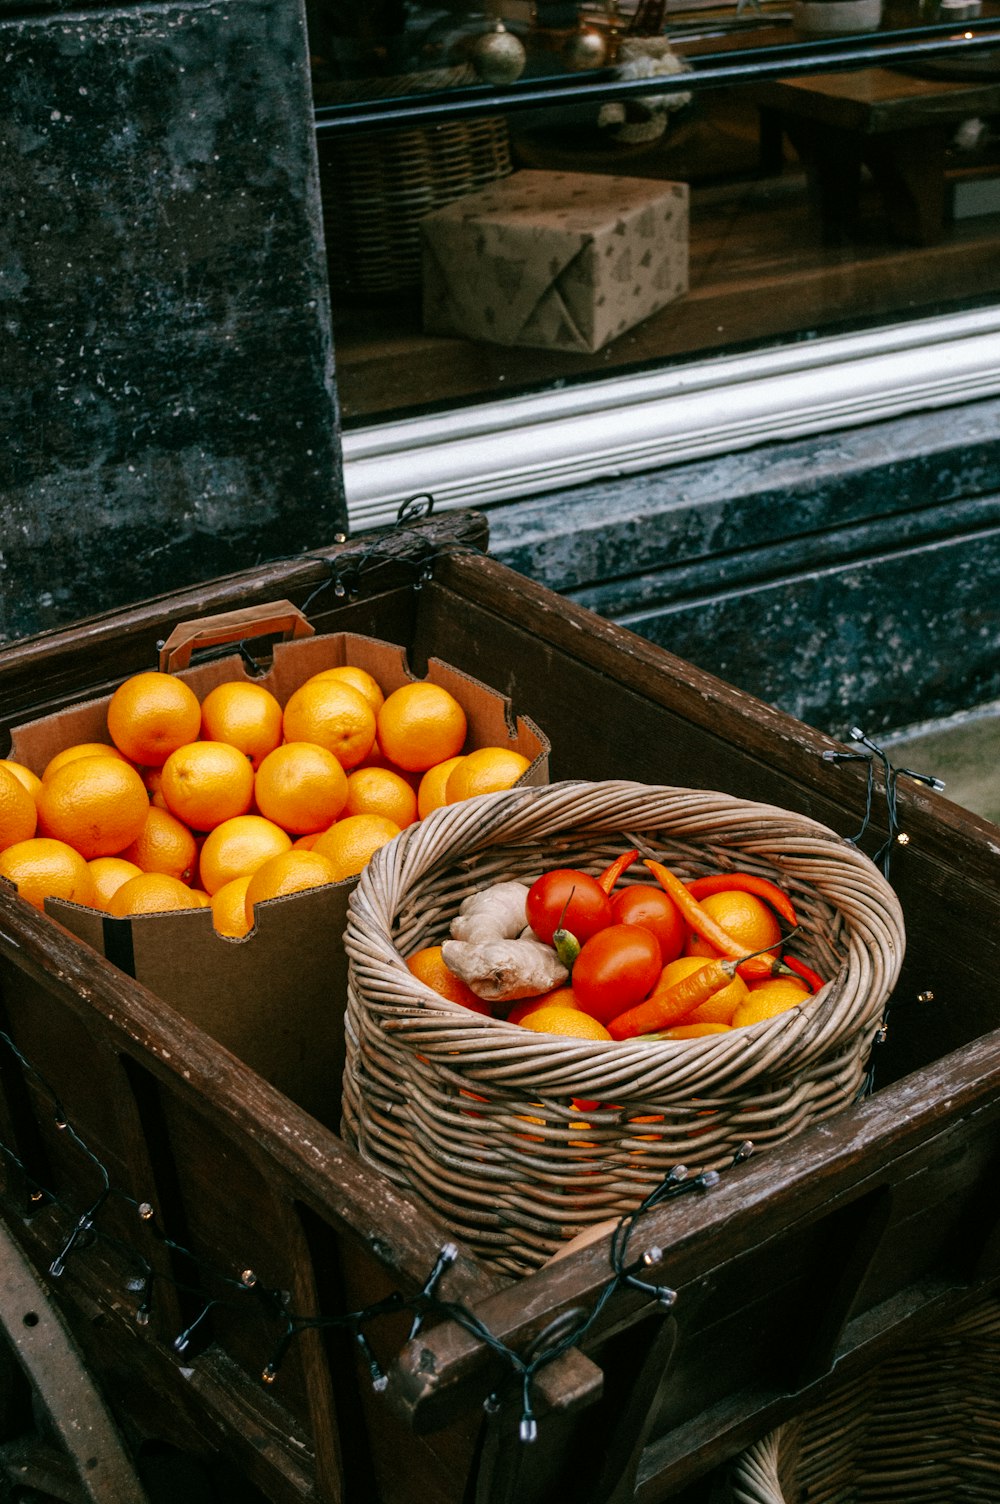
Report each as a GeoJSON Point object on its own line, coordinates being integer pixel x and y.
{"type": "Point", "coordinates": [345, 573]}
{"type": "Point", "coordinates": [425, 1303]}
{"type": "Point", "coordinates": [890, 782]}
{"type": "Point", "coordinates": [895, 836]}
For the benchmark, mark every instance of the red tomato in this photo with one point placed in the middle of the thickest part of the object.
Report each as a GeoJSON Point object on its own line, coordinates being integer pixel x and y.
{"type": "Point", "coordinates": [656, 911]}
{"type": "Point", "coordinates": [617, 968]}
{"type": "Point", "coordinates": [587, 906]}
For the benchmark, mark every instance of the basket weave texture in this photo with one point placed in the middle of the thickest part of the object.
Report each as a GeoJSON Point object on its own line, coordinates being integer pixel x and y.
{"type": "Point", "coordinates": [482, 1119]}
{"type": "Point", "coordinates": [923, 1427]}
{"type": "Point", "coordinates": [376, 189]}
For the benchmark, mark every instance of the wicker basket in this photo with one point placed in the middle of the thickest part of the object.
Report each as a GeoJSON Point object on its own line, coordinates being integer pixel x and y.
{"type": "Point", "coordinates": [481, 1118]}
{"type": "Point", "coordinates": [921, 1428]}
{"type": "Point", "coordinates": [376, 189]}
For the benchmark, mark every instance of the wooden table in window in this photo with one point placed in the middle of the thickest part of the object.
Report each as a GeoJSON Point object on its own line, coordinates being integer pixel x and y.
{"type": "Point", "coordinates": [895, 124]}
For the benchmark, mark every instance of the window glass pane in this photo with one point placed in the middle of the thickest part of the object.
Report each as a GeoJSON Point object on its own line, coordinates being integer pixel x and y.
{"type": "Point", "coordinates": [818, 199]}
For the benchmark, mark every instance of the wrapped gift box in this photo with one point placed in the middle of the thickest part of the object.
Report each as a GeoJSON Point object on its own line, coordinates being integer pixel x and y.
{"type": "Point", "coordinates": [561, 260]}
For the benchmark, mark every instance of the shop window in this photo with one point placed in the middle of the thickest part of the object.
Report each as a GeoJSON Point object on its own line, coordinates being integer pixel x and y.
{"type": "Point", "coordinates": [837, 165]}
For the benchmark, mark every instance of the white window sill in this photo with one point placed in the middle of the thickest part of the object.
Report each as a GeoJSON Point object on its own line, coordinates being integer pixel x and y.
{"type": "Point", "coordinates": [502, 450]}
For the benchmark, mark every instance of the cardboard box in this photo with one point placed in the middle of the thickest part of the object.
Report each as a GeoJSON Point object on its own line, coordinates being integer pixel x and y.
{"type": "Point", "coordinates": [275, 998]}
{"type": "Point", "coordinates": [560, 260]}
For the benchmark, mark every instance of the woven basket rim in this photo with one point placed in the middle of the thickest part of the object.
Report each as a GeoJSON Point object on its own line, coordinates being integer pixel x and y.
{"type": "Point", "coordinates": [780, 1046]}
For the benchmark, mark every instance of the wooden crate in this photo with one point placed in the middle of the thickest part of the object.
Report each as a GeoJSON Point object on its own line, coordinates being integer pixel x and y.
{"type": "Point", "coordinates": [829, 1250]}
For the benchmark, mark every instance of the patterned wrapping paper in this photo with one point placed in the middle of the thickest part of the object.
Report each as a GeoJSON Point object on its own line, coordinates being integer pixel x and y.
{"type": "Point", "coordinates": [558, 260]}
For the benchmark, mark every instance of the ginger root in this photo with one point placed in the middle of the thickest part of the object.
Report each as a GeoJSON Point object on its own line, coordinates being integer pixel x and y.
{"type": "Point", "coordinates": [495, 913]}
{"type": "Point", "coordinates": [503, 970]}
{"type": "Point", "coordinates": [494, 952]}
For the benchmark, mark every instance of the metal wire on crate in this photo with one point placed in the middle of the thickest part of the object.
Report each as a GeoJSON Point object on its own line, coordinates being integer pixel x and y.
{"type": "Point", "coordinates": [895, 836]}
{"type": "Point", "coordinates": [890, 780]}
{"type": "Point", "coordinates": [631, 1273]}
{"type": "Point", "coordinates": [346, 575]}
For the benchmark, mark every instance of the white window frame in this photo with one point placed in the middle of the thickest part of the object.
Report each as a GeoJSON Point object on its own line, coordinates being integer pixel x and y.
{"type": "Point", "coordinates": [502, 450]}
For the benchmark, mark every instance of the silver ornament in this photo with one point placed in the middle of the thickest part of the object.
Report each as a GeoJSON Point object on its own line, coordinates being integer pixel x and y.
{"type": "Point", "coordinates": [499, 57]}
{"type": "Point", "coordinates": [586, 48]}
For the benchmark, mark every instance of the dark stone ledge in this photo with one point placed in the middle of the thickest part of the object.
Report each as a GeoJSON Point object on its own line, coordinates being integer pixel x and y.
{"type": "Point", "coordinates": [851, 578]}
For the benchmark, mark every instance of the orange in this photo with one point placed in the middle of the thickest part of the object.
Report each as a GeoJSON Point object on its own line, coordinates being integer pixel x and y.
{"type": "Point", "coordinates": [165, 844]}
{"type": "Point", "coordinates": [487, 770]}
{"type": "Point", "coordinates": [421, 724]}
{"type": "Point", "coordinates": [108, 873]}
{"type": "Point", "coordinates": [199, 898]}
{"type": "Point", "coordinates": [80, 749]}
{"type": "Point", "coordinates": [205, 783]}
{"type": "Point", "coordinates": [97, 805]}
{"type": "Point", "coordinates": [379, 791]}
{"type": "Point", "coordinates": [245, 716]}
{"type": "Point", "coordinates": [377, 759]}
{"type": "Point", "coordinates": [42, 868]}
{"type": "Point", "coordinates": [333, 715]}
{"type": "Point", "coordinates": [563, 997]}
{"type": "Point", "coordinates": [743, 916]}
{"type": "Point", "coordinates": [229, 907]}
{"type": "Point", "coordinates": [306, 843]}
{"type": "Point", "coordinates": [716, 1009]}
{"type": "Point", "coordinates": [24, 776]}
{"type": "Point", "coordinates": [432, 786]}
{"type": "Point", "coordinates": [769, 999]}
{"type": "Point", "coordinates": [151, 715]}
{"type": "Point", "coordinates": [237, 847]}
{"type": "Point", "coordinates": [348, 844]}
{"type": "Point", "coordinates": [573, 1022]}
{"type": "Point", "coordinates": [696, 1031]}
{"type": "Point", "coordinates": [18, 815]}
{"type": "Point", "coordinates": [151, 893]}
{"type": "Point", "coordinates": [292, 872]}
{"type": "Point", "coordinates": [301, 787]}
{"type": "Point", "coordinates": [428, 967]}
{"type": "Point", "coordinates": [153, 779]}
{"type": "Point", "coordinates": [721, 1006]}
{"type": "Point", "coordinates": [358, 678]}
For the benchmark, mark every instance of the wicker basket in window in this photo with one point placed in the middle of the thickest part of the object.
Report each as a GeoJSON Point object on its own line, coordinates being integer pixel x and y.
{"type": "Point", "coordinates": [922, 1427]}
{"type": "Point", "coordinates": [375, 189]}
{"type": "Point", "coordinates": [483, 1119]}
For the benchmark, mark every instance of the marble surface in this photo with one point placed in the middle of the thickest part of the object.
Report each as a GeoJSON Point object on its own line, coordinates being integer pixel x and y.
{"type": "Point", "coordinates": [167, 405]}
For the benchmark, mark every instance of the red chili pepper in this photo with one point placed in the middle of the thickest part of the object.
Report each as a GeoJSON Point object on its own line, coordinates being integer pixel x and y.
{"type": "Point", "coordinates": [611, 874]}
{"type": "Point", "coordinates": [745, 882]}
{"type": "Point", "coordinates": [751, 968]}
{"type": "Point", "coordinates": [805, 972]}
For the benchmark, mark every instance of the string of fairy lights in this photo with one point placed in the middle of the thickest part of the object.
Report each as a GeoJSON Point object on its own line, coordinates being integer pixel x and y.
{"type": "Point", "coordinates": [874, 756]}
{"type": "Point", "coordinates": [626, 1271]}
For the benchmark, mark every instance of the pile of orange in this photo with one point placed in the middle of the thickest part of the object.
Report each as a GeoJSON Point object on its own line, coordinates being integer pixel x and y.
{"type": "Point", "coordinates": [229, 800]}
